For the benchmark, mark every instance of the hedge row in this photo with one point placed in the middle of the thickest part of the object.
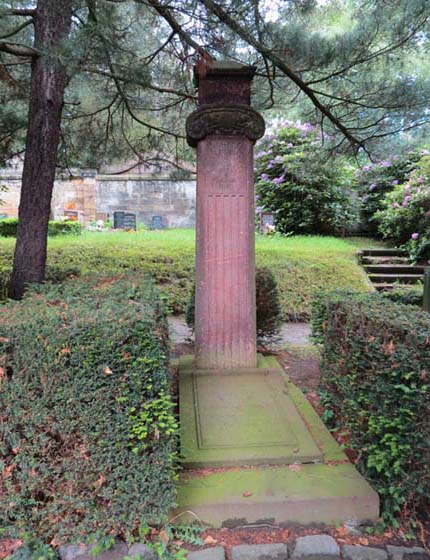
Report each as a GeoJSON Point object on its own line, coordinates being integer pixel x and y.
{"type": "Point", "coordinates": [9, 226]}
{"type": "Point", "coordinates": [87, 430]}
{"type": "Point", "coordinates": [375, 383]}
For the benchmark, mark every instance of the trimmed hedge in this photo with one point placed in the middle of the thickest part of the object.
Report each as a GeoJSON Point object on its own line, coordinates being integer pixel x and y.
{"type": "Point", "coordinates": [375, 382]}
{"type": "Point", "coordinates": [87, 430]}
{"type": "Point", "coordinates": [9, 226]}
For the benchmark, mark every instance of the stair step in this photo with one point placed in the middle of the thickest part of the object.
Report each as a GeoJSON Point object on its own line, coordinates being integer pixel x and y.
{"type": "Point", "coordinates": [393, 269]}
{"type": "Point", "coordinates": [384, 260]}
{"type": "Point", "coordinates": [383, 252]}
{"type": "Point", "coordinates": [392, 278]}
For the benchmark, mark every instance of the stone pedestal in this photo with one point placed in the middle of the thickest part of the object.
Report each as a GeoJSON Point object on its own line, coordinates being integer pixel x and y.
{"type": "Point", "coordinates": [224, 129]}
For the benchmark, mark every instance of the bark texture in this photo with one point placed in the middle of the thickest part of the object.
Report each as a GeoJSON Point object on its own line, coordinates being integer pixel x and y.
{"type": "Point", "coordinates": [52, 21]}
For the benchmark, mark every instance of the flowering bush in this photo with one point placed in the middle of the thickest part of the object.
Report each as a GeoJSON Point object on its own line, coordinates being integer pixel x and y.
{"type": "Point", "coordinates": [295, 179]}
{"type": "Point", "coordinates": [378, 179]}
{"type": "Point", "coordinates": [405, 217]}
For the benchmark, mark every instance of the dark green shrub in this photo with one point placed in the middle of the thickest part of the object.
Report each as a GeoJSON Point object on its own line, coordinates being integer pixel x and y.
{"type": "Point", "coordinates": [9, 226]}
{"type": "Point", "coordinates": [87, 432]}
{"type": "Point", "coordinates": [191, 308]}
{"type": "Point", "coordinates": [375, 381]}
{"type": "Point", "coordinates": [64, 228]}
{"type": "Point", "coordinates": [269, 312]}
{"type": "Point", "coordinates": [296, 180]}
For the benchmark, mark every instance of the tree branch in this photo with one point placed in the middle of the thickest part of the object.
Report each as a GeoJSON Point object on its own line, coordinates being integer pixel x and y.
{"type": "Point", "coordinates": [174, 24]}
{"type": "Point", "coordinates": [235, 26]}
{"type": "Point", "coordinates": [26, 12]}
{"type": "Point", "coordinates": [159, 89]}
{"type": "Point", "coordinates": [18, 49]}
{"type": "Point", "coordinates": [93, 15]}
{"type": "Point", "coordinates": [18, 29]}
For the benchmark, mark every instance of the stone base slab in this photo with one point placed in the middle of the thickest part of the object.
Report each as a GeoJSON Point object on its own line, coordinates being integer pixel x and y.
{"type": "Point", "coordinates": [241, 417]}
{"type": "Point", "coordinates": [327, 490]}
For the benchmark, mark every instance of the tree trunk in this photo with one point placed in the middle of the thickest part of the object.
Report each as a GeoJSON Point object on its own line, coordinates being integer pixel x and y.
{"type": "Point", "coordinates": [52, 23]}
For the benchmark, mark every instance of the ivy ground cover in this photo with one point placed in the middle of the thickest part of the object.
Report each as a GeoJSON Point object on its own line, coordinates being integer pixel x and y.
{"type": "Point", "coordinates": [87, 431]}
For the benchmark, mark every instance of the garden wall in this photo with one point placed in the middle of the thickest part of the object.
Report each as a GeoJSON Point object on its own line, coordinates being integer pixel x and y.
{"type": "Point", "coordinates": [88, 197]}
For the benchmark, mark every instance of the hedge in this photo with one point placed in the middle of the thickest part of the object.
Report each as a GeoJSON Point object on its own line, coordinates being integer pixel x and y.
{"type": "Point", "coordinates": [375, 382]}
{"type": "Point", "coordinates": [9, 226]}
{"type": "Point", "coordinates": [87, 430]}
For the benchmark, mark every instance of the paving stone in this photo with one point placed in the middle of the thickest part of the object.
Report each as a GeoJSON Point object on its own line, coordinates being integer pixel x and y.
{"type": "Point", "coordinates": [357, 552]}
{"type": "Point", "coordinates": [83, 552]}
{"type": "Point", "coordinates": [215, 553]}
{"type": "Point", "coordinates": [142, 551]}
{"type": "Point", "coordinates": [406, 553]}
{"type": "Point", "coordinates": [318, 547]}
{"type": "Point", "coordinates": [277, 551]}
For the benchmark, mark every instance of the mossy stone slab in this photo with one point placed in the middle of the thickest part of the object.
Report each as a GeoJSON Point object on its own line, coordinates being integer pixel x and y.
{"type": "Point", "coordinates": [241, 417]}
{"type": "Point", "coordinates": [330, 491]}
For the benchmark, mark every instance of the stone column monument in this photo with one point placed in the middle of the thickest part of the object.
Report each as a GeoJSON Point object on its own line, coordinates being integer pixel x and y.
{"type": "Point", "coordinates": [239, 409]}
{"type": "Point", "coordinates": [224, 129]}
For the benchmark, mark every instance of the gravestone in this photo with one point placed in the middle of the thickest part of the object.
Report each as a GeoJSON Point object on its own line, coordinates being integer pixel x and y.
{"type": "Point", "coordinates": [267, 221]}
{"type": "Point", "coordinates": [239, 409]}
{"type": "Point", "coordinates": [124, 220]}
{"type": "Point", "coordinates": [71, 215]}
{"type": "Point", "coordinates": [157, 222]}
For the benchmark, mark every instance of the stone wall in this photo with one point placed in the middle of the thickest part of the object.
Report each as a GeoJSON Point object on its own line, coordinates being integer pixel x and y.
{"type": "Point", "coordinates": [90, 197]}
{"type": "Point", "coordinates": [174, 201]}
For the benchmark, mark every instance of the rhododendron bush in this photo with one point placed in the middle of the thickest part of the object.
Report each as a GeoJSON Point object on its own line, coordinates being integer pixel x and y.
{"type": "Point", "coordinates": [378, 179]}
{"type": "Point", "coordinates": [307, 189]}
{"type": "Point", "coordinates": [405, 217]}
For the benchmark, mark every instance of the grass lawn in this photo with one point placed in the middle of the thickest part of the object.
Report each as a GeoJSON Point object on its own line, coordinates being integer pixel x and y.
{"type": "Point", "coordinates": [302, 264]}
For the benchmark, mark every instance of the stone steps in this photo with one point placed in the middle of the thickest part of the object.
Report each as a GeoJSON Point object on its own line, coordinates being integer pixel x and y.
{"type": "Point", "coordinates": [396, 269]}
{"type": "Point", "coordinates": [382, 252]}
{"type": "Point", "coordinates": [383, 260]}
{"type": "Point", "coordinates": [389, 268]}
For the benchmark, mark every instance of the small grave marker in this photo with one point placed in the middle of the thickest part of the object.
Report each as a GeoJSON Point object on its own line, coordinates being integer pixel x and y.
{"type": "Point", "coordinates": [267, 222]}
{"type": "Point", "coordinates": [71, 215]}
{"type": "Point", "coordinates": [124, 220]}
{"type": "Point", "coordinates": [157, 222]}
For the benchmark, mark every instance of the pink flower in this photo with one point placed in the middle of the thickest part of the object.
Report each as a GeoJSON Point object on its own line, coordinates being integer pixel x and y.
{"type": "Point", "coordinates": [415, 235]}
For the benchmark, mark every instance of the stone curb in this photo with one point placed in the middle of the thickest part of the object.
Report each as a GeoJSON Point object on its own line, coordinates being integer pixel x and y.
{"type": "Point", "coordinates": [311, 547]}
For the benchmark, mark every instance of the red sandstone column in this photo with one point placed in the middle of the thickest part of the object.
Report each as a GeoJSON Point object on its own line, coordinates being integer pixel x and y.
{"type": "Point", "coordinates": [224, 129]}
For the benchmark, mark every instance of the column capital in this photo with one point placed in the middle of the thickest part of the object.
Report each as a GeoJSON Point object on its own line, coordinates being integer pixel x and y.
{"type": "Point", "coordinates": [224, 119]}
